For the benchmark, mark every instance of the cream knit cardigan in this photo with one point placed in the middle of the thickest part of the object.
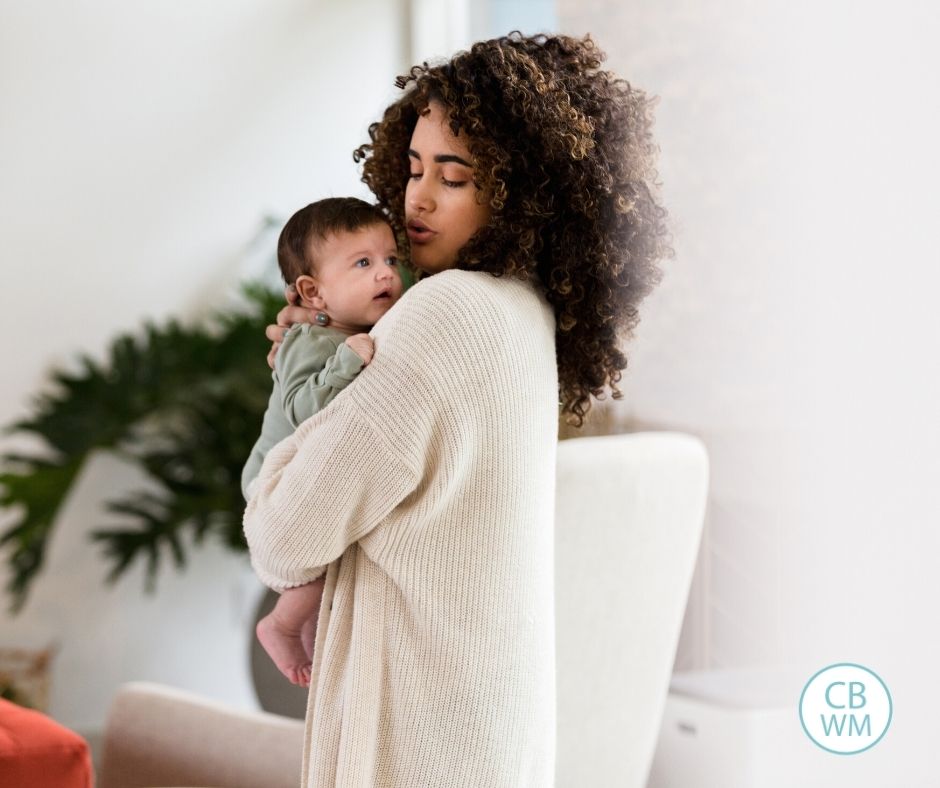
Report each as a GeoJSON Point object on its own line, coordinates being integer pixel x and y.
{"type": "Point", "coordinates": [426, 492]}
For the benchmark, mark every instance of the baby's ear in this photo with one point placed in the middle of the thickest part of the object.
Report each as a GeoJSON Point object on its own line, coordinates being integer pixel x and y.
{"type": "Point", "coordinates": [309, 292]}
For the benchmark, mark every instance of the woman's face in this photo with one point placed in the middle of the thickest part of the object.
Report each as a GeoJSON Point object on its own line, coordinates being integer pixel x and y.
{"type": "Point", "coordinates": [443, 207]}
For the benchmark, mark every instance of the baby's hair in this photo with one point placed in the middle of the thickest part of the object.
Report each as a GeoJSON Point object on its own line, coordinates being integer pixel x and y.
{"type": "Point", "coordinates": [565, 151]}
{"type": "Point", "coordinates": [315, 223]}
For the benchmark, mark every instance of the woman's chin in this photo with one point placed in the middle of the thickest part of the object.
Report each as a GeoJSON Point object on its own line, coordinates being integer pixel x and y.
{"type": "Point", "coordinates": [429, 264]}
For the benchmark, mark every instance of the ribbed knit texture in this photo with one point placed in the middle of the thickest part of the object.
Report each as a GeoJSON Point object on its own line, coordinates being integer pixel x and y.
{"type": "Point", "coordinates": [426, 489]}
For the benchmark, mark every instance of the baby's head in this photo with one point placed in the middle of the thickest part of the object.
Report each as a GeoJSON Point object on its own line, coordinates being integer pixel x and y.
{"type": "Point", "coordinates": [340, 255]}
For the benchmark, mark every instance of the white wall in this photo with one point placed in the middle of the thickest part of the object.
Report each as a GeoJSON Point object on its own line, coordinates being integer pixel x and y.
{"type": "Point", "coordinates": [140, 146]}
{"type": "Point", "coordinates": [796, 330]}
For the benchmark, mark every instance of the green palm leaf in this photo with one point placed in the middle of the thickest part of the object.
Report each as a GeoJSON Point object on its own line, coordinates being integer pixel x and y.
{"type": "Point", "coordinates": [182, 403]}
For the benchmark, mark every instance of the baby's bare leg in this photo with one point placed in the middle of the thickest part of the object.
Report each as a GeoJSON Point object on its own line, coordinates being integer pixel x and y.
{"type": "Point", "coordinates": [285, 629]}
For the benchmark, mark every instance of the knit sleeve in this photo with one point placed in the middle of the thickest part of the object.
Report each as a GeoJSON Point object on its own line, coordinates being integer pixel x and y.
{"type": "Point", "coordinates": [319, 491]}
{"type": "Point", "coordinates": [344, 470]}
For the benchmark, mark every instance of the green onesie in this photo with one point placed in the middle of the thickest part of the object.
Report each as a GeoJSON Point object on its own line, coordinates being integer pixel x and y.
{"type": "Point", "coordinates": [311, 367]}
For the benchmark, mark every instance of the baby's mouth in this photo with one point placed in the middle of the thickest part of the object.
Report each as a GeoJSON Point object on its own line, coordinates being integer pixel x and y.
{"type": "Point", "coordinates": [385, 294]}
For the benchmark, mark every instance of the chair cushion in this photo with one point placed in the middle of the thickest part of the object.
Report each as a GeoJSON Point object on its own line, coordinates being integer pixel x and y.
{"type": "Point", "coordinates": [38, 752]}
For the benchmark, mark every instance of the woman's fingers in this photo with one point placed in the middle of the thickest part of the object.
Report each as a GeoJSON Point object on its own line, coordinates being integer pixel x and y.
{"type": "Point", "coordinates": [272, 353]}
{"type": "Point", "coordinates": [275, 333]}
{"type": "Point", "coordinates": [291, 295]}
{"type": "Point", "coordinates": [294, 314]}
{"type": "Point", "coordinates": [288, 316]}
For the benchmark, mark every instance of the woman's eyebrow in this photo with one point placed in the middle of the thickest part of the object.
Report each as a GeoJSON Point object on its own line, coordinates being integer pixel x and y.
{"type": "Point", "coordinates": [442, 158]}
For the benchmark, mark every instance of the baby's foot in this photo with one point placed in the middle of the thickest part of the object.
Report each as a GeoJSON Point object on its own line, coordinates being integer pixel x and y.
{"type": "Point", "coordinates": [285, 647]}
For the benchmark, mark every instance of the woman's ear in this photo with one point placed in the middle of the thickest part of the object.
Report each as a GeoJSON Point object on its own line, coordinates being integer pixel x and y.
{"type": "Point", "coordinates": [309, 292]}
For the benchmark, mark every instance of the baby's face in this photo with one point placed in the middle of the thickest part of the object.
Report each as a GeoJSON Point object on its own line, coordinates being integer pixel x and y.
{"type": "Point", "coordinates": [357, 276]}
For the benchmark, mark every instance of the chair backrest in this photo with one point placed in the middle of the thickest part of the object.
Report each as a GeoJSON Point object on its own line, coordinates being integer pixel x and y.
{"type": "Point", "coordinates": [161, 736]}
{"type": "Point", "coordinates": [629, 517]}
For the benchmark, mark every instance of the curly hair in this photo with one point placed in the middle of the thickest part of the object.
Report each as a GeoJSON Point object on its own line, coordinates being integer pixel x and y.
{"type": "Point", "coordinates": [564, 150]}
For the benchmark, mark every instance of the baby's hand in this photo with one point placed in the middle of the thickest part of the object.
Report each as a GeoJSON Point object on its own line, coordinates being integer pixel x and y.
{"type": "Point", "coordinates": [362, 346]}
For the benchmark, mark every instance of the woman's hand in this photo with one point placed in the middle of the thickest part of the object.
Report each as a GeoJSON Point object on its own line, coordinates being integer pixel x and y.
{"type": "Point", "coordinates": [288, 316]}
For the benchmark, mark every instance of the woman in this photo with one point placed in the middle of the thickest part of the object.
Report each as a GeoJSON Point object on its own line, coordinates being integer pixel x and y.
{"type": "Point", "coordinates": [425, 491]}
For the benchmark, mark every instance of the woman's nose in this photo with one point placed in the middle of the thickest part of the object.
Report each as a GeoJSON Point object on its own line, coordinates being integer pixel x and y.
{"type": "Point", "coordinates": [419, 196]}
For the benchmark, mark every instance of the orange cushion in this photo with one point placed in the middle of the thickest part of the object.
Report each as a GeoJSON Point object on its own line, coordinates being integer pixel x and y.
{"type": "Point", "coordinates": [36, 751]}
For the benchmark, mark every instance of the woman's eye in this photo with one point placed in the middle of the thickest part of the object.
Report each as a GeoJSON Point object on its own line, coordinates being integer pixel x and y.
{"type": "Point", "coordinates": [453, 184]}
{"type": "Point", "coordinates": [414, 176]}
{"type": "Point", "coordinates": [362, 262]}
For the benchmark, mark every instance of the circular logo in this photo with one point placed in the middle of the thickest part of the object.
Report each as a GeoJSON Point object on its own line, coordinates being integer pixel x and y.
{"type": "Point", "coordinates": [845, 708]}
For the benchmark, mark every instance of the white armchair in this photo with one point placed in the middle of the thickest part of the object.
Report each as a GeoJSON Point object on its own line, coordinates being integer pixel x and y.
{"type": "Point", "coordinates": [630, 510]}
{"type": "Point", "coordinates": [160, 736]}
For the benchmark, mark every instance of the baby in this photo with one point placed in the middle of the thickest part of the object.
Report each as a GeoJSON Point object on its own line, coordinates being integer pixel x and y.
{"type": "Point", "coordinates": [340, 256]}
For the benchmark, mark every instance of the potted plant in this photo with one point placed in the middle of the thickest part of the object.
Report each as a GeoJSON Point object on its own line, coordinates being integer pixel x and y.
{"type": "Point", "coordinates": [183, 403]}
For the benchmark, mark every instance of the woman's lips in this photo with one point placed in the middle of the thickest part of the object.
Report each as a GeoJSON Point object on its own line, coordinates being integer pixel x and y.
{"type": "Point", "coordinates": [419, 233]}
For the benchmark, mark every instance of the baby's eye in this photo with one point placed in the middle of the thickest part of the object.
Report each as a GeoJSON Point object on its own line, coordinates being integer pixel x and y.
{"type": "Point", "coordinates": [392, 260]}
{"type": "Point", "coordinates": [362, 262]}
